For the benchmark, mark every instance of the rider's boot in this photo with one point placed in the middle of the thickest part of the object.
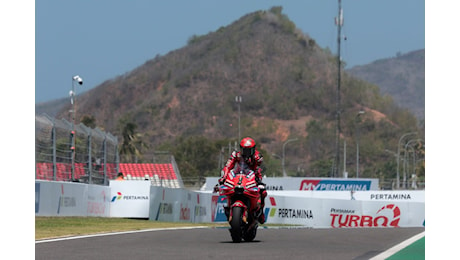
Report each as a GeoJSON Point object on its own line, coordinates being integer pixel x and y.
{"type": "Point", "coordinates": [261, 214]}
{"type": "Point", "coordinates": [263, 194]}
{"type": "Point", "coordinates": [227, 212]}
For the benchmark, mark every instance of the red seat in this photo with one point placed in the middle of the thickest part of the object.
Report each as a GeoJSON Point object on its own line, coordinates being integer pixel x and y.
{"type": "Point", "coordinates": [79, 170]}
{"type": "Point", "coordinates": [164, 171]}
{"type": "Point", "coordinates": [111, 170]}
{"type": "Point", "coordinates": [63, 171]}
{"type": "Point", "coordinates": [44, 171]}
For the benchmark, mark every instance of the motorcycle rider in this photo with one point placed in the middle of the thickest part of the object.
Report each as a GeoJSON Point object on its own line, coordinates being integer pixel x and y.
{"type": "Point", "coordinates": [253, 158]}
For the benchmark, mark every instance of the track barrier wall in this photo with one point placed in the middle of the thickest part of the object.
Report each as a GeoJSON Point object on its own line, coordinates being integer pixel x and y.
{"type": "Point", "coordinates": [312, 208]}
{"type": "Point", "coordinates": [54, 198]}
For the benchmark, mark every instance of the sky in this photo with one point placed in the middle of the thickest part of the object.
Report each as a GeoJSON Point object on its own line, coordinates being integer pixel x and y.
{"type": "Point", "coordinates": [100, 40]}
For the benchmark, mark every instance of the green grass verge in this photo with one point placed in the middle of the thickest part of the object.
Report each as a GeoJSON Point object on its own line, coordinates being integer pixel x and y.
{"type": "Point", "coordinates": [53, 227]}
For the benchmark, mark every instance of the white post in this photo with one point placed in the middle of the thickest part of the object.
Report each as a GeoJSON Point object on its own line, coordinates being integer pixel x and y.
{"type": "Point", "coordinates": [284, 148]}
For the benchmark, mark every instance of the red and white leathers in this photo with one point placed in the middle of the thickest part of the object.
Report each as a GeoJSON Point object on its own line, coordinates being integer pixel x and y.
{"type": "Point", "coordinates": [253, 162]}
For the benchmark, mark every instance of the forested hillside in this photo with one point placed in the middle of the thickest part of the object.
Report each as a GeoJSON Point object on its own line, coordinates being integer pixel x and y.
{"type": "Point", "coordinates": [184, 103]}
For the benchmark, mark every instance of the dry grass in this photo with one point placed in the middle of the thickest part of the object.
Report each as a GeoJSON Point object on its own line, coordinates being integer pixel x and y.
{"type": "Point", "coordinates": [52, 227]}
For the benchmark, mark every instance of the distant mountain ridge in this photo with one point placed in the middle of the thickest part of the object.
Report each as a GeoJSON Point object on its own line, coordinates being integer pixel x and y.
{"type": "Point", "coordinates": [288, 84]}
{"type": "Point", "coordinates": [401, 77]}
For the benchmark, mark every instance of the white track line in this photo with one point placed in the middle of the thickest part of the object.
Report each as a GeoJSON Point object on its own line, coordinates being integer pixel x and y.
{"type": "Point", "coordinates": [398, 247]}
{"type": "Point", "coordinates": [114, 233]}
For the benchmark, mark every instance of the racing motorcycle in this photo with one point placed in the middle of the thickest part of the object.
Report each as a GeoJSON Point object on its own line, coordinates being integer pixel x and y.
{"type": "Point", "coordinates": [243, 203]}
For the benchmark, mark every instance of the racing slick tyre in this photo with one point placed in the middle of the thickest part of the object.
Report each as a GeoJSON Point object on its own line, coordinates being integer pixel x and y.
{"type": "Point", "coordinates": [236, 224]}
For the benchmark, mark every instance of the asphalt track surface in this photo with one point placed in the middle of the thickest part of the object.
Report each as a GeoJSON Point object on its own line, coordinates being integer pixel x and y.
{"type": "Point", "coordinates": [215, 243]}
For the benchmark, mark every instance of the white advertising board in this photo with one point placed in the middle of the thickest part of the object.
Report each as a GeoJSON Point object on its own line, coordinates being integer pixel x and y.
{"type": "Point", "coordinates": [391, 195]}
{"type": "Point", "coordinates": [179, 205]}
{"type": "Point", "coordinates": [60, 199]}
{"type": "Point", "coordinates": [168, 204]}
{"type": "Point", "coordinates": [129, 199]}
{"type": "Point", "coordinates": [333, 213]}
{"type": "Point", "coordinates": [316, 209]}
{"type": "Point", "coordinates": [98, 201]}
{"type": "Point", "coordinates": [291, 210]}
{"type": "Point", "coordinates": [202, 207]}
{"type": "Point", "coordinates": [378, 195]}
{"type": "Point", "coordinates": [311, 183]}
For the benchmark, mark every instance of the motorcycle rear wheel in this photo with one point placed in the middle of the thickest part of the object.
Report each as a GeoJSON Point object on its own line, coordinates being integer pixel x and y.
{"type": "Point", "coordinates": [236, 224]}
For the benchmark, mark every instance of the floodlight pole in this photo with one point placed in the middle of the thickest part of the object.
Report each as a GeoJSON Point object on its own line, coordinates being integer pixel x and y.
{"type": "Point", "coordinates": [339, 23]}
{"type": "Point", "coordinates": [73, 101]}
{"type": "Point", "coordinates": [238, 100]}
{"type": "Point", "coordinates": [398, 153]}
{"type": "Point", "coordinates": [284, 154]}
{"type": "Point", "coordinates": [357, 142]}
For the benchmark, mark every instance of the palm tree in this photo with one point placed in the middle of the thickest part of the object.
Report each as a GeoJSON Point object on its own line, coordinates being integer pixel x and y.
{"type": "Point", "coordinates": [130, 149]}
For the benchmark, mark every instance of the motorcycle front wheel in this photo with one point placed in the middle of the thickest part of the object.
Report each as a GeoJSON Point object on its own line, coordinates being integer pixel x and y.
{"type": "Point", "coordinates": [236, 224]}
{"type": "Point", "coordinates": [250, 234]}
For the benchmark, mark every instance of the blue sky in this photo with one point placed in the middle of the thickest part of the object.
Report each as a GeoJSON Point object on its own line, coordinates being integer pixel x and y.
{"type": "Point", "coordinates": [100, 40]}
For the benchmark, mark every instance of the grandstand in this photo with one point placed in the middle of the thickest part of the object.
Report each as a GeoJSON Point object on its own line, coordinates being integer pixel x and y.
{"type": "Point", "coordinates": [45, 171]}
{"type": "Point", "coordinates": [96, 158]}
{"type": "Point", "coordinates": [159, 174]}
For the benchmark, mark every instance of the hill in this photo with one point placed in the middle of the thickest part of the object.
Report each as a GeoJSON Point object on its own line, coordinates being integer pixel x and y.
{"type": "Point", "coordinates": [401, 77]}
{"type": "Point", "coordinates": [184, 101]}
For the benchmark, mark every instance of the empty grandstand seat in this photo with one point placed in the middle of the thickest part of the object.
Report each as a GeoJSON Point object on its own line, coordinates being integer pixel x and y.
{"type": "Point", "coordinates": [44, 171]}
{"type": "Point", "coordinates": [79, 170]}
{"type": "Point", "coordinates": [158, 173]}
{"type": "Point", "coordinates": [156, 180]}
{"type": "Point", "coordinates": [63, 171]}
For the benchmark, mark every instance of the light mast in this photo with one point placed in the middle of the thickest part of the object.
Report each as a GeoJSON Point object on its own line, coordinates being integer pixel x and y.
{"type": "Point", "coordinates": [339, 23]}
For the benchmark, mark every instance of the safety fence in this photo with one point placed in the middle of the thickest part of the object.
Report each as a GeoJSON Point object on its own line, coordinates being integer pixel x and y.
{"type": "Point", "coordinates": [68, 152]}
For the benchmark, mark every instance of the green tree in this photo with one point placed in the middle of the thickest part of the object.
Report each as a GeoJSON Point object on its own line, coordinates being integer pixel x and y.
{"type": "Point", "coordinates": [321, 168]}
{"type": "Point", "coordinates": [89, 121]}
{"type": "Point", "coordinates": [319, 140]}
{"type": "Point", "coordinates": [201, 152]}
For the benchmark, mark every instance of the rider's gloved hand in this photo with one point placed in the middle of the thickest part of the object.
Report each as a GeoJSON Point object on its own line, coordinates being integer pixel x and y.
{"type": "Point", "coordinates": [259, 181]}
{"type": "Point", "coordinates": [261, 186]}
{"type": "Point", "coordinates": [216, 188]}
{"type": "Point", "coordinates": [223, 176]}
